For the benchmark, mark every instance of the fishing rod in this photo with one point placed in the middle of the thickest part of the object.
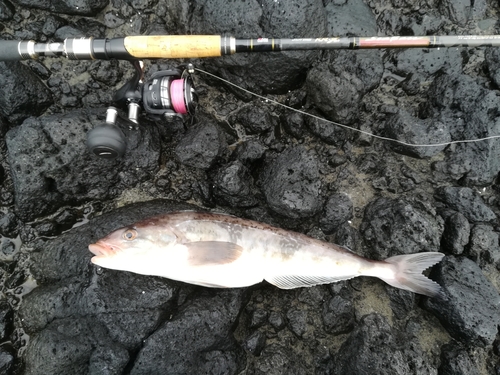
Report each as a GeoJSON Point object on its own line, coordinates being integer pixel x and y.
{"type": "Point", "coordinates": [169, 94]}
{"type": "Point", "coordinates": [194, 46]}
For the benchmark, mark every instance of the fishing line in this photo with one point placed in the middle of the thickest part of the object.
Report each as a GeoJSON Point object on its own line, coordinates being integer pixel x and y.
{"type": "Point", "coordinates": [346, 126]}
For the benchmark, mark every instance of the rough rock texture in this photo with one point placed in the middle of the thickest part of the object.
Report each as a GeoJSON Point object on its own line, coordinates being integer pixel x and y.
{"type": "Point", "coordinates": [290, 183]}
{"type": "Point", "coordinates": [374, 345]}
{"type": "Point", "coordinates": [270, 72]}
{"type": "Point", "coordinates": [173, 349]}
{"type": "Point", "coordinates": [234, 186]}
{"type": "Point", "coordinates": [47, 156]}
{"type": "Point", "coordinates": [337, 210]}
{"type": "Point", "coordinates": [471, 118]}
{"type": "Point", "coordinates": [338, 86]}
{"type": "Point", "coordinates": [23, 94]}
{"type": "Point", "coordinates": [408, 129]}
{"type": "Point", "coordinates": [91, 318]}
{"type": "Point", "coordinates": [456, 233]}
{"type": "Point", "coordinates": [252, 158]}
{"type": "Point", "coordinates": [456, 361]}
{"type": "Point", "coordinates": [87, 8]}
{"type": "Point", "coordinates": [201, 146]}
{"type": "Point", "coordinates": [394, 227]}
{"type": "Point", "coordinates": [474, 319]}
{"type": "Point", "coordinates": [466, 201]}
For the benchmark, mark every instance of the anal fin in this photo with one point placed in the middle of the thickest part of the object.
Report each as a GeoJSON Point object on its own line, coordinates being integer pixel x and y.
{"type": "Point", "coordinates": [298, 281]}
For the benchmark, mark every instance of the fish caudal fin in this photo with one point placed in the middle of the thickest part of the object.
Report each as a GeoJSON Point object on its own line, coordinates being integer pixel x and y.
{"type": "Point", "coordinates": [408, 273]}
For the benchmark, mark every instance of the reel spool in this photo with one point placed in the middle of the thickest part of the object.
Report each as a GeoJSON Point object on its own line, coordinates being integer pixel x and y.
{"type": "Point", "coordinates": [167, 94]}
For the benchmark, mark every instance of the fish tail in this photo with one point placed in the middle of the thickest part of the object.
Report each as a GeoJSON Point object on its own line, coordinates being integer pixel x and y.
{"type": "Point", "coordinates": [408, 273]}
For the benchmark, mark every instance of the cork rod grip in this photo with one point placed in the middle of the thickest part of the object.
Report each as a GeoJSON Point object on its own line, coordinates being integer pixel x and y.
{"type": "Point", "coordinates": [173, 46]}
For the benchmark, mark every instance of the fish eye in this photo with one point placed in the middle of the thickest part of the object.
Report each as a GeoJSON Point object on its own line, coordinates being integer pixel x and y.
{"type": "Point", "coordinates": [129, 234]}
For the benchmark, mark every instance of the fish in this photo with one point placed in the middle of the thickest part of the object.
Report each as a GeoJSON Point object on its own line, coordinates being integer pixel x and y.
{"type": "Point", "coordinates": [223, 251]}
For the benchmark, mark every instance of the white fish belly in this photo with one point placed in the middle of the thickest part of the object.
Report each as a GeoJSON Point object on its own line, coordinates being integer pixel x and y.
{"type": "Point", "coordinates": [245, 271]}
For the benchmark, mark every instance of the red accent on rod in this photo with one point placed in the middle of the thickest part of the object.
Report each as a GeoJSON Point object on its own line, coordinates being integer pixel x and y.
{"type": "Point", "coordinates": [397, 41]}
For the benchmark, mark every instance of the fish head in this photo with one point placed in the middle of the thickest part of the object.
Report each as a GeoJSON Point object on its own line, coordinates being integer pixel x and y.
{"type": "Point", "coordinates": [130, 247]}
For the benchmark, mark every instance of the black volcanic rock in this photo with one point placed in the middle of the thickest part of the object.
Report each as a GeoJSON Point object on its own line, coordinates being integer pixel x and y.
{"type": "Point", "coordinates": [23, 94]}
{"type": "Point", "coordinates": [470, 312]}
{"type": "Point", "coordinates": [86, 7]}
{"type": "Point", "coordinates": [51, 165]}
{"type": "Point", "coordinates": [290, 183]}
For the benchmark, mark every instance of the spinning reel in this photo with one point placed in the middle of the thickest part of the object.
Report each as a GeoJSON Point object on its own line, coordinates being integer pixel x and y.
{"type": "Point", "coordinates": [166, 95]}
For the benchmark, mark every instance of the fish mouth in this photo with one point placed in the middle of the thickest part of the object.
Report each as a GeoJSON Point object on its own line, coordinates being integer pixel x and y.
{"type": "Point", "coordinates": [101, 249]}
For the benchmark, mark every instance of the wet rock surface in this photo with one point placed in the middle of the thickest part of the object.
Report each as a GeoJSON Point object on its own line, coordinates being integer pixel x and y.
{"type": "Point", "coordinates": [60, 314]}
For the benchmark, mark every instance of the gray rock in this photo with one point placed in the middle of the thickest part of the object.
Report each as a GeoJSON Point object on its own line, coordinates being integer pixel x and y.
{"type": "Point", "coordinates": [258, 318]}
{"type": "Point", "coordinates": [337, 88]}
{"type": "Point", "coordinates": [350, 17]}
{"type": "Point", "coordinates": [404, 127]}
{"type": "Point", "coordinates": [291, 183]}
{"type": "Point", "coordinates": [294, 124]}
{"type": "Point", "coordinates": [471, 311]}
{"type": "Point", "coordinates": [324, 129]}
{"type": "Point", "coordinates": [233, 186]}
{"type": "Point", "coordinates": [469, 112]}
{"type": "Point", "coordinates": [276, 320]}
{"type": "Point", "coordinates": [492, 60]}
{"type": "Point", "coordinates": [484, 244]}
{"type": "Point", "coordinates": [337, 210]}
{"type": "Point", "coordinates": [372, 345]}
{"type": "Point", "coordinates": [276, 359]}
{"type": "Point", "coordinates": [456, 233]}
{"type": "Point", "coordinates": [74, 346]}
{"type": "Point", "coordinates": [255, 343]}
{"type": "Point", "coordinates": [6, 321]}
{"type": "Point", "coordinates": [462, 11]}
{"type": "Point", "coordinates": [76, 7]}
{"type": "Point", "coordinates": [174, 349]}
{"type": "Point", "coordinates": [256, 119]}
{"type": "Point", "coordinates": [47, 156]}
{"type": "Point", "coordinates": [456, 361]}
{"type": "Point", "coordinates": [249, 151]}
{"type": "Point", "coordinates": [23, 94]}
{"type": "Point", "coordinates": [272, 72]}
{"type": "Point", "coordinates": [466, 201]}
{"type": "Point", "coordinates": [338, 315]}
{"type": "Point", "coordinates": [201, 146]}
{"type": "Point", "coordinates": [396, 226]}
{"type": "Point", "coordinates": [334, 95]}
{"type": "Point", "coordinates": [8, 224]}
{"type": "Point", "coordinates": [7, 360]}
{"type": "Point", "coordinates": [282, 332]}
{"type": "Point", "coordinates": [297, 321]}
{"type": "Point", "coordinates": [415, 61]}
{"type": "Point", "coordinates": [402, 301]}
{"type": "Point", "coordinates": [348, 237]}
{"type": "Point", "coordinates": [6, 10]}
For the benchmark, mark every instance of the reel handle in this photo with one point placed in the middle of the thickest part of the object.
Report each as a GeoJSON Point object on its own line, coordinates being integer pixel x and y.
{"type": "Point", "coordinates": [107, 141]}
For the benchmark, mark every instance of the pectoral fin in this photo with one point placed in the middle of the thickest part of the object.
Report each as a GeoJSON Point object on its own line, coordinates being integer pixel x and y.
{"type": "Point", "coordinates": [206, 253]}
